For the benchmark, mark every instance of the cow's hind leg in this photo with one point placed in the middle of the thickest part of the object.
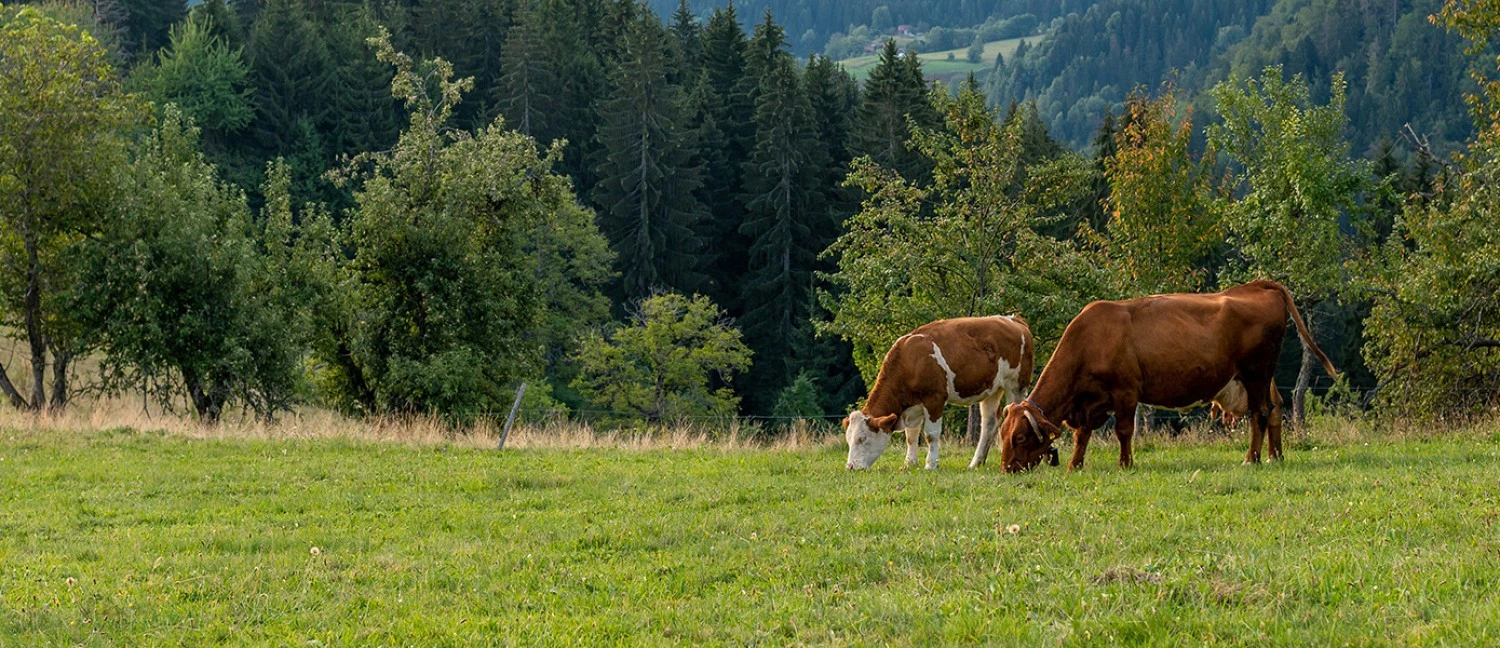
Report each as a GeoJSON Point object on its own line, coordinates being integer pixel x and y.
{"type": "Point", "coordinates": [1273, 423]}
{"type": "Point", "coordinates": [934, 431]}
{"type": "Point", "coordinates": [1258, 411]}
{"type": "Point", "coordinates": [1125, 410]}
{"type": "Point", "coordinates": [989, 411]}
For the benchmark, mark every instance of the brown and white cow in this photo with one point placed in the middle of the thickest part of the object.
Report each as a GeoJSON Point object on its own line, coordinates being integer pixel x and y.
{"type": "Point", "coordinates": [1231, 404]}
{"type": "Point", "coordinates": [1174, 351]}
{"type": "Point", "coordinates": [965, 360]}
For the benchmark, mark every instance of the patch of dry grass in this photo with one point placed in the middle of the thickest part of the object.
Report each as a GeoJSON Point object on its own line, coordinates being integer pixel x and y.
{"type": "Point", "coordinates": [318, 423]}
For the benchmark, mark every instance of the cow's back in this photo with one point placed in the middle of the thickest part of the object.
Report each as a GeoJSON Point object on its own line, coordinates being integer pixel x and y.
{"type": "Point", "coordinates": [981, 352]}
{"type": "Point", "coordinates": [1177, 350]}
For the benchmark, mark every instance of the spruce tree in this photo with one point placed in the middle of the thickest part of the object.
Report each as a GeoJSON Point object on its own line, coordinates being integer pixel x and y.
{"type": "Point", "coordinates": [568, 32]}
{"type": "Point", "coordinates": [290, 71]}
{"type": "Point", "coordinates": [782, 207]}
{"type": "Point", "coordinates": [723, 57]}
{"type": "Point", "coordinates": [893, 92]}
{"type": "Point", "coordinates": [364, 116]}
{"type": "Point", "coordinates": [527, 85]}
{"type": "Point", "coordinates": [645, 191]}
{"type": "Point", "coordinates": [688, 32]}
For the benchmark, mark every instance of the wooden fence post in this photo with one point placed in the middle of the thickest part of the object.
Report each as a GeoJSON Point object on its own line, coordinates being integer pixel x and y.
{"type": "Point", "coordinates": [512, 418]}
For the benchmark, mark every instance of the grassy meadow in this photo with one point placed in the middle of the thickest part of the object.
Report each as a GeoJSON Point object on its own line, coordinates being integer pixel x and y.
{"type": "Point", "coordinates": [936, 66]}
{"type": "Point", "coordinates": [129, 538]}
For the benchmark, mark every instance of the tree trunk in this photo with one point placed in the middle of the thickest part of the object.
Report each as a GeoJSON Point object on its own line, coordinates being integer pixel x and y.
{"type": "Point", "coordinates": [208, 403]}
{"type": "Point", "coordinates": [16, 399]}
{"type": "Point", "coordinates": [60, 361]}
{"type": "Point", "coordinates": [33, 317]}
{"type": "Point", "coordinates": [1299, 393]}
{"type": "Point", "coordinates": [973, 431]}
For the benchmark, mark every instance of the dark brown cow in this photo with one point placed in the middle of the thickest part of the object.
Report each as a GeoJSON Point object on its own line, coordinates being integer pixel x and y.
{"type": "Point", "coordinates": [1174, 351]}
{"type": "Point", "coordinates": [964, 360]}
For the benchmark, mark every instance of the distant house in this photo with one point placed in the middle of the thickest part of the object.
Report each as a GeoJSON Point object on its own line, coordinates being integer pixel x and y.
{"type": "Point", "coordinates": [903, 30]}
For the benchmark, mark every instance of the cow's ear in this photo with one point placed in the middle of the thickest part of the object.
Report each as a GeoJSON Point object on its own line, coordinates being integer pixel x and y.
{"type": "Point", "coordinates": [1050, 431]}
{"type": "Point", "coordinates": [884, 424]}
{"type": "Point", "coordinates": [844, 423]}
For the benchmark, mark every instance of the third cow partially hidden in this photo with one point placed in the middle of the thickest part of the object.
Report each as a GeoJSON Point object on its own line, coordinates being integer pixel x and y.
{"type": "Point", "coordinates": [965, 360]}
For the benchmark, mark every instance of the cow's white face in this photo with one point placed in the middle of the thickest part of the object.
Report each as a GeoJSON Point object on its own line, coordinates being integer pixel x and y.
{"type": "Point", "coordinates": [867, 438]}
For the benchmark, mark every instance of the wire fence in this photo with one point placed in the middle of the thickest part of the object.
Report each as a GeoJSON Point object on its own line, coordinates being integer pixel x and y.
{"type": "Point", "coordinates": [1351, 397]}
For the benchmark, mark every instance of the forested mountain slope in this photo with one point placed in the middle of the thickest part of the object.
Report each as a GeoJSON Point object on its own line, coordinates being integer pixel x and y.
{"type": "Point", "coordinates": [1399, 67]}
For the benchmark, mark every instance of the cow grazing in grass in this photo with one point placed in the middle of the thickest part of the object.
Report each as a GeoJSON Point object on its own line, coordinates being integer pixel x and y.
{"type": "Point", "coordinates": [1172, 351]}
{"type": "Point", "coordinates": [965, 360]}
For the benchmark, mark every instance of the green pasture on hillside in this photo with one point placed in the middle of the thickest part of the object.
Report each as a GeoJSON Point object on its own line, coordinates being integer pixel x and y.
{"type": "Point", "coordinates": [936, 66]}
{"type": "Point", "coordinates": [138, 539]}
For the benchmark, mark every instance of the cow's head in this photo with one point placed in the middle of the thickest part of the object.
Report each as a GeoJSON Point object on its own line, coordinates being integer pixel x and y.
{"type": "Point", "coordinates": [1026, 438]}
{"type": "Point", "coordinates": [867, 438]}
{"type": "Point", "coordinates": [1216, 412]}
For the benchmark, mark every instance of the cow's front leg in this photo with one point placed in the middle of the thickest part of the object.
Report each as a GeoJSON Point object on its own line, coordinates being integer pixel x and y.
{"type": "Point", "coordinates": [934, 431]}
{"type": "Point", "coordinates": [913, 435]}
{"type": "Point", "coordinates": [1080, 446]}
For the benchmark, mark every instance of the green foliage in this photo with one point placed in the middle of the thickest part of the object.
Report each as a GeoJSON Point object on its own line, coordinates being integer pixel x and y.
{"type": "Point", "coordinates": [443, 297]}
{"type": "Point", "coordinates": [976, 50]}
{"type": "Point", "coordinates": [1435, 326]}
{"type": "Point", "coordinates": [61, 144]}
{"type": "Point", "coordinates": [675, 359]}
{"type": "Point", "coordinates": [202, 75]}
{"type": "Point", "coordinates": [178, 294]}
{"type": "Point", "coordinates": [1161, 203]}
{"type": "Point", "coordinates": [1296, 180]}
{"type": "Point", "coordinates": [978, 251]}
{"type": "Point", "coordinates": [799, 399]}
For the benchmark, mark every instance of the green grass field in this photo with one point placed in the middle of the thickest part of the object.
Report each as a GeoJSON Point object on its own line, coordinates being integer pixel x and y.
{"type": "Point", "coordinates": [936, 66]}
{"type": "Point", "coordinates": [135, 539]}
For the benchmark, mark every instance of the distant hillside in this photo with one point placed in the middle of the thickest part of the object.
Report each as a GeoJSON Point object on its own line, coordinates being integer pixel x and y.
{"type": "Point", "coordinates": [938, 66]}
{"type": "Point", "coordinates": [809, 23]}
{"type": "Point", "coordinates": [1399, 68]}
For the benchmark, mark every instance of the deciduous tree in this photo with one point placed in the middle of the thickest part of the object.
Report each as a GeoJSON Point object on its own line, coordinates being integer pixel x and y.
{"type": "Point", "coordinates": [675, 358]}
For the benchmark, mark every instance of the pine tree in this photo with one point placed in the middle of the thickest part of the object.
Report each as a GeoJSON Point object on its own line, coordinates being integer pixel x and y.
{"type": "Point", "coordinates": [723, 59]}
{"type": "Point", "coordinates": [568, 34]}
{"type": "Point", "coordinates": [290, 71]}
{"type": "Point", "coordinates": [782, 206]}
{"type": "Point", "coordinates": [689, 34]}
{"type": "Point", "coordinates": [525, 92]}
{"type": "Point", "coordinates": [646, 186]}
{"type": "Point", "coordinates": [893, 92]}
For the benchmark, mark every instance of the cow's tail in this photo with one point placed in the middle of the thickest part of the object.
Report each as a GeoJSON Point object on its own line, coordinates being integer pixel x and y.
{"type": "Point", "coordinates": [1307, 338]}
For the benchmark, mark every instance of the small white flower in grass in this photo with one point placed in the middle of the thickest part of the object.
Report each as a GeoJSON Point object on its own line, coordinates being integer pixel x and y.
{"type": "Point", "coordinates": [316, 551]}
{"type": "Point", "coordinates": [70, 581]}
{"type": "Point", "coordinates": [1014, 528]}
